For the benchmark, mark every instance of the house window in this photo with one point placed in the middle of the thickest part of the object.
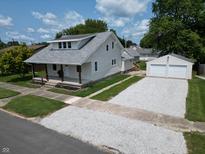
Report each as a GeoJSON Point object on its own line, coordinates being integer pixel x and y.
{"type": "Point", "coordinates": [78, 68]}
{"type": "Point", "coordinates": [54, 67]}
{"type": "Point", "coordinates": [107, 47]}
{"type": "Point", "coordinates": [64, 45]}
{"type": "Point", "coordinates": [69, 44]}
{"type": "Point", "coordinates": [59, 45]}
{"type": "Point", "coordinates": [114, 61]}
{"type": "Point", "coordinates": [113, 44]}
{"type": "Point", "coordinates": [96, 66]}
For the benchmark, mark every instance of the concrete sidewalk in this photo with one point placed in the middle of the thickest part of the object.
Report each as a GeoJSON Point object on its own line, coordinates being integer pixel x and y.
{"type": "Point", "coordinates": [169, 122]}
{"type": "Point", "coordinates": [37, 92]}
{"type": "Point", "coordinates": [201, 77]}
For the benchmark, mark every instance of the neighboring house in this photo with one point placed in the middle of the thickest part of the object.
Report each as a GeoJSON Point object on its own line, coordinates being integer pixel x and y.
{"type": "Point", "coordinates": [146, 54]}
{"type": "Point", "coordinates": [80, 59]}
{"type": "Point", "coordinates": [133, 53]}
{"type": "Point", "coordinates": [127, 61]}
{"type": "Point", "coordinates": [36, 47]}
{"type": "Point", "coordinates": [171, 66]}
{"type": "Point", "coordinates": [7, 48]}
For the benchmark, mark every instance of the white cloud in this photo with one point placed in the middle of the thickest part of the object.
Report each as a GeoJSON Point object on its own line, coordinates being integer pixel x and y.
{"type": "Point", "coordinates": [136, 30]}
{"type": "Point", "coordinates": [5, 21]}
{"type": "Point", "coordinates": [47, 18]}
{"type": "Point", "coordinates": [54, 24]}
{"type": "Point", "coordinates": [19, 36]}
{"type": "Point", "coordinates": [30, 30]}
{"type": "Point", "coordinates": [116, 22]}
{"type": "Point", "coordinates": [45, 36]}
{"type": "Point", "coordinates": [72, 18]}
{"type": "Point", "coordinates": [42, 30]}
{"type": "Point", "coordinates": [119, 12]}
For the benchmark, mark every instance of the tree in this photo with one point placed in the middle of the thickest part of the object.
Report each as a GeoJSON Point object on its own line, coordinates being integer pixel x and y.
{"type": "Point", "coordinates": [177, 26]}
{"type": "Point", "coordinates": [125, 43]}
{"type": "Point", "coordinates": [90, 26]}
{"type": "Point", "coordinates": [12, 60]}
{"type": "Point", "coordinates": [13, 43]}
{"type": "Point", "coordinates": [2, 44]}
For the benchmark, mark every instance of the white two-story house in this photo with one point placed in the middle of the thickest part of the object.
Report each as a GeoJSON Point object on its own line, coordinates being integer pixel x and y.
{"type": "Point", "coordinates": [80, 59]}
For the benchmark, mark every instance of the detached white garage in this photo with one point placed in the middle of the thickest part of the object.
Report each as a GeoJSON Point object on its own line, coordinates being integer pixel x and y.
{"type": "Point", "coordinates": [171, 66]}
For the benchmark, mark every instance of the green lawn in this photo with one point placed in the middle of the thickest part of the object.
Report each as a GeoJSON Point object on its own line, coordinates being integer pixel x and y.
{"type": "Point", "coordinates": [5, 93]}
{"type": "Point", "coordinates": [32, 106]}
{"type": "Point", "coordinates": [108, 94]}
{"type": "Point", "coordinates": [91, 88]}
{"type": "Point", "coordinates": [25, 81]}
{"type": "Point", "coordinates": [195, 108]}
{"type": "Point", "coordinates": [195, 143]}
{"type": "Point", "coordinates": [142, 65]}
{"type": "Point", "coordinates": [99, 85]}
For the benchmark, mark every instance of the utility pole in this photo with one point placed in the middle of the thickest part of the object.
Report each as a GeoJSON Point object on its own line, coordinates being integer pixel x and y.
{"type": "Point", "coordinates": [125, 41]}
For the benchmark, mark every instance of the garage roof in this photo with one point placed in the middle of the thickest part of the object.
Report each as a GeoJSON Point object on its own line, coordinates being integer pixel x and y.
{"type": "Point", "coordinates": [163, 59]}
{"type": "Point", "coordinates": [183, 58]}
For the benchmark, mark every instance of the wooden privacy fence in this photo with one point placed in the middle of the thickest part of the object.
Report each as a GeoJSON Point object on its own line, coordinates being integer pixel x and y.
{"type": "Point", "coordinates": [202, 69]}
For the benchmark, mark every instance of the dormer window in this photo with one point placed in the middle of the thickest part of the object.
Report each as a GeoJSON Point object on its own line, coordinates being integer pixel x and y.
{"type": "Point", "coordinates": [59, 45]}
{"type": "Point", "coordinates": [64, 45]}
{"type": "Point", "coordinates": [107, 47]}
{"type": "Point", "coordinates": [69, 44]}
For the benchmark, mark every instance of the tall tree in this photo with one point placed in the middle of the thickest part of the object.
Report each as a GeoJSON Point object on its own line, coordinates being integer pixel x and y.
{"type": "Point", "coordinates": [12, 60]}
{"type": "Point", "coordinates": [179, 27]}
{"type": "Point", "coordinates": [90, 26]}
{"type": "Point", "coordinates": [2, 44]}
{"type": "Point", "coordinates": [125, 43]}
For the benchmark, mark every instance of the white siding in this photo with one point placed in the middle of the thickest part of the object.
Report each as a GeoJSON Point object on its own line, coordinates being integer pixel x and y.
{"type": "Point", "coordinates": [126, 65]}
{"type": "Point", "coordinates": [70, 71]}
{"type": "Point", "coordinates": [51, 72]}
{"type": "Point", "coordinates": [74, 45]}
{"type": "Point", "coordinates": [104, 59]}
{"type": "Point", "coordinates": [174, 67]}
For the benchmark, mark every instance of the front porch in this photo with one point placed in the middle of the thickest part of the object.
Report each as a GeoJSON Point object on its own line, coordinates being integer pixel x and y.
{"type": "Point", "coordinates": [62, 75]}
{"type": "Point", "coordinates": [70, 82]}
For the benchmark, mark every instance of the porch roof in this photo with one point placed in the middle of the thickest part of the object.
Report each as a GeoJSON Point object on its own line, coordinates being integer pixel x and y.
{"type": "Point", "coordinates": [69, 56]}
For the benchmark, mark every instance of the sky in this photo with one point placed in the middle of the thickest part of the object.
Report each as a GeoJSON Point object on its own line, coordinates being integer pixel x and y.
{"type": "Point", "coordinates": [33, 21]}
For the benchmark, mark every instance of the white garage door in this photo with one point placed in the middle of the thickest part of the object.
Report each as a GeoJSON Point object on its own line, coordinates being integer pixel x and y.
{"type": "Point", "coordinates": [173, 71]}
{"type": "Point", "coordinates": [177, 71]}
{"type": "Point", "coordinates": [157, 70]}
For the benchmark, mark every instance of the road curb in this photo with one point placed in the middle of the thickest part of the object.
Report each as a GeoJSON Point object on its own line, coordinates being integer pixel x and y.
{"type": "Point", "coordinates": [35, 119]}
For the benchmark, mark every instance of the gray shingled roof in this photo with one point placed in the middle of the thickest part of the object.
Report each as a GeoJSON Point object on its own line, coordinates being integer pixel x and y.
{"type": "Point", "coordinates": [182, 57]}
{"type": "Point", "coordinates": [69, 56]}
{"type": "Point", "coordinates": [126, 56]}
{"type": "Point", "coordinates": [132, 52]}
{"type": "Point", "coordinates": [81, 36]}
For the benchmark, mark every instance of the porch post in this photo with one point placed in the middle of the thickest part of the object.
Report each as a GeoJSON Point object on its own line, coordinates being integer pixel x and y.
{"type": "Point", "coordinates": [33, 70]}
{"type": "Point", "coordinates": [79, 73]}
{"type": "Point", "coordinates": [46, 70]}
{"type": "Point", "coordinates": [62, 73]}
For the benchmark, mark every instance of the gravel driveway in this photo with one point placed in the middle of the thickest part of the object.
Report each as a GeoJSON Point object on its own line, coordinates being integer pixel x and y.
{"type": "Point", "coordinates": [128, 136]}
{"type": "Point", "coordinates": [167, 96]}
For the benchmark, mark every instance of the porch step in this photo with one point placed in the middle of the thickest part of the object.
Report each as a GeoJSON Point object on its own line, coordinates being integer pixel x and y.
{"type": "Point", "coordinates": [69, 85]}
{"type": "Point", "coordinates": [50, 84]}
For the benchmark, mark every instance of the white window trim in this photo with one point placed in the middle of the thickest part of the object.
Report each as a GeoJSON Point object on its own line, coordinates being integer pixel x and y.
{"type": "Point", "coordinates": [114, 62]}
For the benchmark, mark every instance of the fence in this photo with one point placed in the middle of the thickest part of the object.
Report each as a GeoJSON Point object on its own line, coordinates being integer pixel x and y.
{"type": "Point", "coordinates": [202, 69]}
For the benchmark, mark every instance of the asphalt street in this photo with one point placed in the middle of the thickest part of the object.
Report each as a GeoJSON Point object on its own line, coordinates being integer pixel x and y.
{"type": "Point", "coordinates": [18, 136]}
